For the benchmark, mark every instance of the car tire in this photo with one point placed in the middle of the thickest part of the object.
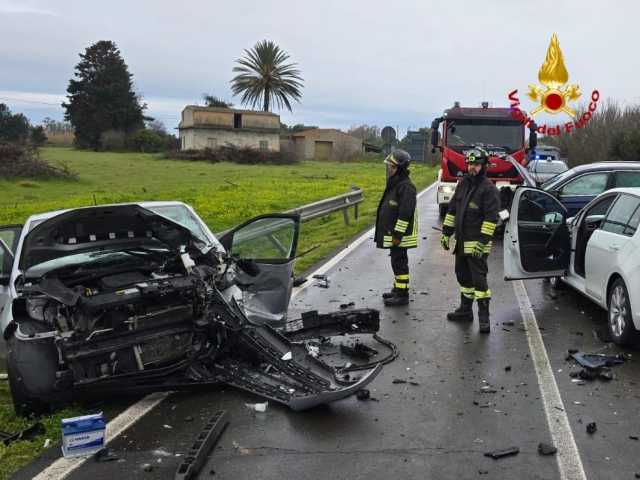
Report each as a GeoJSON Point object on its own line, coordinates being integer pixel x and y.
{"type": "Point", "coordinates": [443, 207]}
{"type": "Point", "coordinates": [31, 369]}
{"type": "Point", "coordinates": [619, 318]}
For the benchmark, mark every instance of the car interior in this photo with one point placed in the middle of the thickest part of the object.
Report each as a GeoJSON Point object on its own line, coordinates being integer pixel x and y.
{"type": "Point", "coordinates": [589, 223]}
{"type": "Point", "coordinates": [542, 232]}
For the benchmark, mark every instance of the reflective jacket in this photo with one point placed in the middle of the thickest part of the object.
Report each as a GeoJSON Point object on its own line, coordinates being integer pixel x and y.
{"type": "Point", "coordinates": [473, 213]}
{"type": "Point", "coordinates": [397, 213]}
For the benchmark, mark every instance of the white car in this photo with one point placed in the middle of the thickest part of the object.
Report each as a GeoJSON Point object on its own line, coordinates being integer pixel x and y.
{"type": "Point", "coordinates": [595, 252]}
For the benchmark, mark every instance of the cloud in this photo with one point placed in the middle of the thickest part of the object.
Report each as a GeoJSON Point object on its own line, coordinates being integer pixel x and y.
{"type": "Point", "coordinates": [24, 9]}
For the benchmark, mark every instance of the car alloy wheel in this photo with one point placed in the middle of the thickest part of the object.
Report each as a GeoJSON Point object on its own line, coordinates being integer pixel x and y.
{"type": "Point", "coordinates": [620, 323]}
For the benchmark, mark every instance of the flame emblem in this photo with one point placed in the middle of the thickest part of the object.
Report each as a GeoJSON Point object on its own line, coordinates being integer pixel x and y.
{"type": "Point", "coordinates": [553, 75]}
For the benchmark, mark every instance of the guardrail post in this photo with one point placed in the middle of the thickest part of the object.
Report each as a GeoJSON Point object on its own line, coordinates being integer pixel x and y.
{"type": "Point", "coordinates": [345, 214]}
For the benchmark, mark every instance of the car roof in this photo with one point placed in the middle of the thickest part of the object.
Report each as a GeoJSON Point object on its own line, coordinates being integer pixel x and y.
{"type": "Point", "coordinates": [630, 190]}
{"type": "Point", "coordinates": [47, 215]}
{"type": "Point", "coordinates": [632, 165]}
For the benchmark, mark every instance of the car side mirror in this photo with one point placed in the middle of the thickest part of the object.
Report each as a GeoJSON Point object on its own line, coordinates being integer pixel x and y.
{"type": "Point", "coordinates": [533, 136]}
{"type": "Point", "coordinates": [434, 135]}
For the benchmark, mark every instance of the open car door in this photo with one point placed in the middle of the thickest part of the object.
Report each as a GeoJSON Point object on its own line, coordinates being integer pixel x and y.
{"type": "Point", "coordinates": [9, 238]}
{"type": "Point", "coordinates": [536, 240]}
{"type": "Point", "coordinates": [270, 241]}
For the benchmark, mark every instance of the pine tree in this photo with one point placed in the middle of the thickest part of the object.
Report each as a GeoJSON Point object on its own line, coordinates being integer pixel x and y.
{"type": "Point", "coordinates": [101, 97]}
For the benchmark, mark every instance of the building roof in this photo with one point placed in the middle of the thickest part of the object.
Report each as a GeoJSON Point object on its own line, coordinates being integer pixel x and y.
{"type": "Point", "coordinates": [200, 108]}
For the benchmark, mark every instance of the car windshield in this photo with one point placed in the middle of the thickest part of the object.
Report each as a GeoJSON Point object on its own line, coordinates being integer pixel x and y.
{"type": "Point", "coordinates": [549, 185]}
{"type": "Point", "coordinates": [487, 132]}
{"type": "Point", "coordinates": [549, 167]}
{"type": "Point", "coordinates": [133, 256]}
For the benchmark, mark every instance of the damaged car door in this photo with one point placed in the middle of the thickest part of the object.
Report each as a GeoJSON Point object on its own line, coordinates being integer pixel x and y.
{"type": "Point", "coordinates": [9, 237]}
{"type": "Point", "coordinates": [536, 240]}
{"type": "Point", "coordinates": [266, 248]}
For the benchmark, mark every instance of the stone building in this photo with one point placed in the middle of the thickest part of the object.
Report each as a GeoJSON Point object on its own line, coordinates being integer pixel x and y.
{"type": "Point", "coordinates": [213, 127]}
{"type": "Point", "coordinates": [323, 144]}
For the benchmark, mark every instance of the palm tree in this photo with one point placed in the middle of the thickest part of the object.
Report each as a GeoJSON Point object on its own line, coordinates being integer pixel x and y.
{"type": "Point", "coordinates": [265, 77]}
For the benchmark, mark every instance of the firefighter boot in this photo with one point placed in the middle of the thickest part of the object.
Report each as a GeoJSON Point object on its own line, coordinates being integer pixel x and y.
{"type": "Point", "coordinates": [399, 298]}
{"type": "Point", "coordinates": [483, 315]}
{"type": "Point", "coordinates": [464, 312]}
{"type": "Point", "coordinates": [391, 293]}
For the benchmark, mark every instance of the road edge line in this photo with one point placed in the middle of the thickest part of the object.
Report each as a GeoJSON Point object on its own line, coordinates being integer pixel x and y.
{"type": "Point", "coordinates": [337, 258]}
{"type": "Point", "coordinates": [568, 456]}
{"type": "Point", "coordinates": [62, 467]}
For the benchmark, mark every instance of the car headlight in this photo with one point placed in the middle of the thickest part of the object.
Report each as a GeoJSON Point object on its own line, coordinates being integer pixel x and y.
{"type": "Point", "coordinates": [446, 189]}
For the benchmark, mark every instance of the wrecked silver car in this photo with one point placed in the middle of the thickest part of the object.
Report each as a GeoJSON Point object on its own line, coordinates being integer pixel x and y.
{"type": "Point", "coordinates": [101, 300]}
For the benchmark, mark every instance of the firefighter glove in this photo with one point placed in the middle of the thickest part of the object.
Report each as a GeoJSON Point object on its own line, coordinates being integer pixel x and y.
{"type": "Point", "coordinates": [444, 241]}
{"type": "Point", "coordinates": [478, 250]}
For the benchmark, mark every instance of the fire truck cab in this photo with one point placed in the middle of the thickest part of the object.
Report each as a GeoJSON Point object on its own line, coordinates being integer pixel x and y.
{"type": "Point", "coordinates": [494, 129]}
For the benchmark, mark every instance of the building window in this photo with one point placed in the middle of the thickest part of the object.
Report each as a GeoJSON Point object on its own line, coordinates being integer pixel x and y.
{"type": "Point", "coordinates": [212, 143]}
{"type": "Point", "coordinates": [264, 145]}
{"type": "Point", "coordinates": [237, 120]}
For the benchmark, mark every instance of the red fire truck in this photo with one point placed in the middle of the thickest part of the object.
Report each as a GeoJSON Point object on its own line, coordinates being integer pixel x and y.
{"type": "Point", "coordinates": [494, 129]}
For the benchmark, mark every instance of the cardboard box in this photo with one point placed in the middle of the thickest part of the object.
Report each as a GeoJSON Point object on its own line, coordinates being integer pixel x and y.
{"type": "Point", "coordinates": [83, 435]}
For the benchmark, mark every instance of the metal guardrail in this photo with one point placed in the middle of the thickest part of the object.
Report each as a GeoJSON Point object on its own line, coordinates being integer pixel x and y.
{"type": "Point", "coordinates": [313, 210]}
{"type": "Point", "coordinates": [322, 208]}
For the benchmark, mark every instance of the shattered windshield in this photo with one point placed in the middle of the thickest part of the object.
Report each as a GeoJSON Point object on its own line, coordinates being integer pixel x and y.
{"type": "Point", "coordinates": [181, 214]}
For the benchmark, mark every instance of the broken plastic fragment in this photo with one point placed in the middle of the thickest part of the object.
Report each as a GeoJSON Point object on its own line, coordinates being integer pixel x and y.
{"type": "Point", "coordinates": [546, 449]}
{"type": "Point", "coordinates": [257, 407]}
{"type": "Point", "coordinates": [592, 428]}
{"type": "Point", "coordinates": [287, 356]}
{"type": "Point", "coordinates": [507, 452]}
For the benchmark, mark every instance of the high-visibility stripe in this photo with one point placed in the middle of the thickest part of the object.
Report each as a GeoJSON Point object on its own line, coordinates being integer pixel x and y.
{"type": "Point", "coordinates": [482, 295]}
{"type": "Point", "coordinates": [402, 277]}
{"type": "Point", "coordinates": [449, 220]}
{"type": "Point", "coordinates": [401, 286]}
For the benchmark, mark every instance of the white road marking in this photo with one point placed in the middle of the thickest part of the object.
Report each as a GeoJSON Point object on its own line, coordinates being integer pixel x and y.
{"type": "Point", "coordinates": [568, 456]}
{"type": "Point", "coordinates": [64, 466]}
{"type": "Point", "coordinates": [325, 267]}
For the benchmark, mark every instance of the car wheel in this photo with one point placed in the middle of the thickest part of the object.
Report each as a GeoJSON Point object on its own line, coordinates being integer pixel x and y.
{"type": "Point", "coordinates": [443, 210]}
{"type": "Point", "coordinates": [620, 319]}
{"type": "Point", "coordinates": [31, 368]}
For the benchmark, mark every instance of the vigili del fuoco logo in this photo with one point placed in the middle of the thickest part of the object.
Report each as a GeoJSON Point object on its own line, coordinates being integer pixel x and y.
{"type": "Point", "coordinates": [554, 96]}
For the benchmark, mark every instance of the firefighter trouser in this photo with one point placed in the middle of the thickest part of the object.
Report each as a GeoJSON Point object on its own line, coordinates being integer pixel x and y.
{"type": "Point", "coordinates": [400, 266]}
{"type": "Point", "coordinates": [471, 273]}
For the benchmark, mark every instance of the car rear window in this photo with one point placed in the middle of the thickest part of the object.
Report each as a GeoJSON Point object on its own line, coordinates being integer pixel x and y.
{"type": "Point", "coordinates": [628, 179]}
{"type": "Point", "coordinates": [619, 219]}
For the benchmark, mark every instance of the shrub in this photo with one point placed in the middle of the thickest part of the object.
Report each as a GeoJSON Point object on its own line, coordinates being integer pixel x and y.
{"type": "Point", "coordinates": [23, 162]}
{"type": "Point", "coordinates": [113, 140]}
{"type": "Point", "coordinates": [230, 153]}
{"type": "Point", "coordinates": [147, 141]}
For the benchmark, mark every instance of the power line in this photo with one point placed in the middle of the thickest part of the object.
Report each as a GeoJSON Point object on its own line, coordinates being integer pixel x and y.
{"type": "Point", "coordinates": [28, 101]}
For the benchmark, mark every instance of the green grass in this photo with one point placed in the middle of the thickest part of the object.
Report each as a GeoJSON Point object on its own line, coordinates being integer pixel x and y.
{"type": "Point", "coordinates": [224, 195]}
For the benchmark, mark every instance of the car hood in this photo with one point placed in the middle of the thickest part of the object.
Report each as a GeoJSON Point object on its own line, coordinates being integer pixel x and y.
{"type": "Point", "coordinates": [91, 228]}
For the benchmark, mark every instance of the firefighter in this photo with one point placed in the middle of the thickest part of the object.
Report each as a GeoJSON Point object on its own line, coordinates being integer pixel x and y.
{"type": "Point", "coordinates": [397, 224]}
{"type": "Point", "coordinates": [472, 216]}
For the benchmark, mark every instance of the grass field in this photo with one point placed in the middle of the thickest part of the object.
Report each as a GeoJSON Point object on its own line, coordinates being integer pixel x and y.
{"type": "Point", "coordinates": [224, 195]}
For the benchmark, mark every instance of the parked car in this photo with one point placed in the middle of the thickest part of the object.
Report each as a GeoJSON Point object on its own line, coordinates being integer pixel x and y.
{"type": "Point", "coordinates": [595, 252]}
{"type": "Point", "coordinates": [105, 299]}
{"type": "Point", "coordinates": [578, 186]}
{"type": "Point", "coordinates": [544, 170]}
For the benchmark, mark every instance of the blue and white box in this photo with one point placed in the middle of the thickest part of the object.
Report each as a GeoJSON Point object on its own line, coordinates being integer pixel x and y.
{"type": "Point", "coordinates": [82, 435]}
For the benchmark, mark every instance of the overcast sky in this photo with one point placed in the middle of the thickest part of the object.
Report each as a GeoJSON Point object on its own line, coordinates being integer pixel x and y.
{"type": "Point", "coordinates": [371, 61]}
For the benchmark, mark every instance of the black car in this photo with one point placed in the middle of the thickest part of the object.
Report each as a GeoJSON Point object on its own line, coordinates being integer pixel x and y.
{"type": "Point", "coordinates": [578, 186]}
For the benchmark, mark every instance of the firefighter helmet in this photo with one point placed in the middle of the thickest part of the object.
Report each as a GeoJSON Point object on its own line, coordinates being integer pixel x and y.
{"type": "Point", "coordinates": [477, 155]}
{"type": "Point", "coordinates": [398, 158]}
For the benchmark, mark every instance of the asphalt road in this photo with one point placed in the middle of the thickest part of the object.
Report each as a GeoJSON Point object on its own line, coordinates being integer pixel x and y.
{"type": "Point", "coordinates": [441, 427]}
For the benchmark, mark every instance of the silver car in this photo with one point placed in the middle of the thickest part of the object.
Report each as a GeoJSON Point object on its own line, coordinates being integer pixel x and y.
{"type": "Point", "coordinates": [544, 170]}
